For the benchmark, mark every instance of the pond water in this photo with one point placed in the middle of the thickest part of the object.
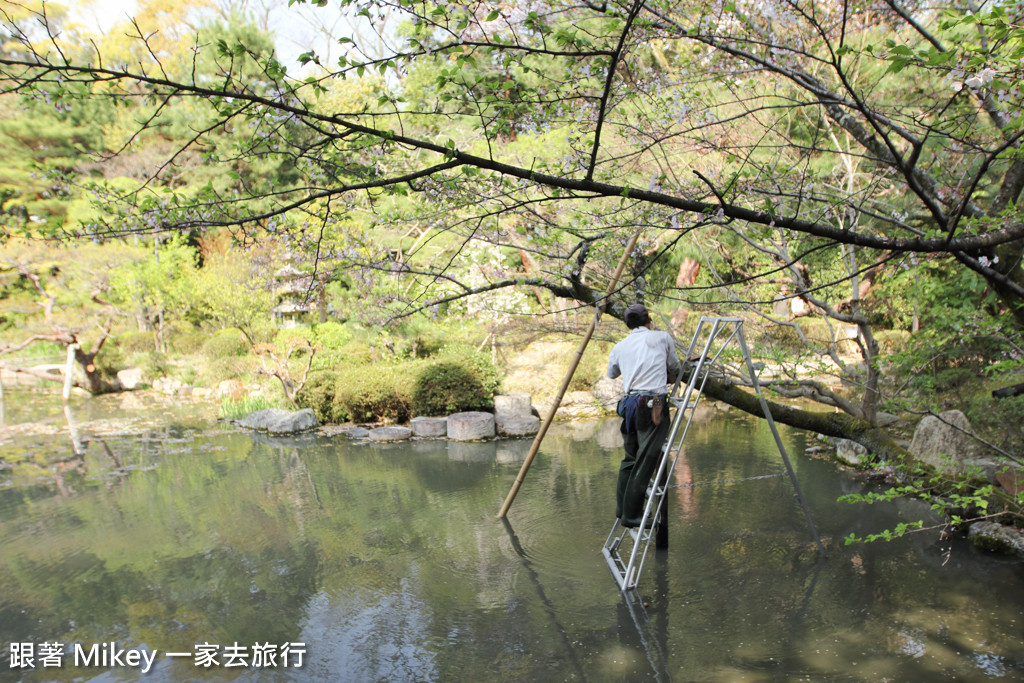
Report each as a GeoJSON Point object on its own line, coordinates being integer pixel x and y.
{"type": "Point", "coordinates": [180, 538]}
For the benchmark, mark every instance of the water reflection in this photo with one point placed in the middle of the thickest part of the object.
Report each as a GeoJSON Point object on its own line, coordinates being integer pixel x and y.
{"type": "Point", "coordinates": [388, 561]}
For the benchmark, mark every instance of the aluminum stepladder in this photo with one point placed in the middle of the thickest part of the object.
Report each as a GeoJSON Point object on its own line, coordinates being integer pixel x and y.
{"type": "Point", "coordinates": [626, 549]}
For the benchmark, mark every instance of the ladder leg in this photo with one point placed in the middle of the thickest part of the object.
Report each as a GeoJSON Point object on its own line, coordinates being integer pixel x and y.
{"type": "Point", "coordinates": [661, 524]}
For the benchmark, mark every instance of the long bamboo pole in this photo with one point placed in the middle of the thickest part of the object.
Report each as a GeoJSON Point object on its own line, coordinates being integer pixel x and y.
{"type": "Point", "coordinates": [568, 376]}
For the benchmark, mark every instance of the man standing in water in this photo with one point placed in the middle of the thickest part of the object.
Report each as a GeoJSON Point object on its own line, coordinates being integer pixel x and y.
{"type": "Point", "coordinates": [647, 361]}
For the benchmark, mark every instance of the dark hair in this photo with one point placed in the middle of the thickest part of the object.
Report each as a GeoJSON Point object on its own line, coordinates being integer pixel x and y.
{"type": "Point", "coordinates": [637, 316]}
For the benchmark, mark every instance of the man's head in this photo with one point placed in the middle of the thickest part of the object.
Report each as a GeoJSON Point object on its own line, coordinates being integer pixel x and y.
{"type": "Point", "coordinates": [637, 316]}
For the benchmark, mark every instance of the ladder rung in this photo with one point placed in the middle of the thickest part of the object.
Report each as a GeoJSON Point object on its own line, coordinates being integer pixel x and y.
{"type": "Point", "coordinates": [641, 537]}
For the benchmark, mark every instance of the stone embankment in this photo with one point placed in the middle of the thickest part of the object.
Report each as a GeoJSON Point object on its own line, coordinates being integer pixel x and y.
{"type": "Point", "coordinates": [513, 416]}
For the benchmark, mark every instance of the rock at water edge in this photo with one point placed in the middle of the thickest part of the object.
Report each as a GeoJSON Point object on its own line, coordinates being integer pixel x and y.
{"type": "Point", "coordinates": [429, 426]}
{"type": "Point", "coordinates": [517, 426]}
{"type": "Point", "coordinates": [997, 538]}
{"type": "Point", "coordinates": [279, 421]}
{"type": "Point", "coordinates": [513, 405]}
{"type": "Point", "coordinates": [470, 426]}
{"type": "Point", "coordinates": [851, 453]}
{"type": "Point", "coordinates": [942, 441]}
{"type": "Point", "coordinates": [390, 434]}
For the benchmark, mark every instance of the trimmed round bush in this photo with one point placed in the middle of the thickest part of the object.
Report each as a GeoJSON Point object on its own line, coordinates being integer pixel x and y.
{"type": "Point", "coordinates": [375, 394]}
{"type": "Point", "coordinates": [447, 388]}
{"type": "Point", "coordinates": [226, 344]}
{"type": "Point", "coordinates": [188, 342]}
{"type": "Point", "coordinates": [478, 363]}
{"type": "Point", "coordinates": [318, 394]}
{"type": "Point", "coordinates": [331, 335]}
{"type": "Point", "coordinates": [220, 369]}
{"type": "Point", "coordinates": [135, 341]}
{"type": "Point", "coordinates": [358, 352]}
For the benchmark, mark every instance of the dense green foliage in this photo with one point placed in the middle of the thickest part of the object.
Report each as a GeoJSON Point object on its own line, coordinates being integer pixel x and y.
{"type": "Point", "coordinates": [225, 344]}
{"type": "Point", "coordinates": [447, 388]}
{"type": "Point", "coordinates": [378, 393]}
{"type": "Point", "coordinates": [358, 388]}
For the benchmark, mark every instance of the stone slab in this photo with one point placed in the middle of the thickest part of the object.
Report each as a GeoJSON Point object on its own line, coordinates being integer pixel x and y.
{"type": "Point", "coordinates": [470, 426]}
{"type": "Point", "coordinates": [357, 433]}
{"type": "Point", "coordinates": [433, 427]}
{"type": "Point", "coordinates": [517, 425]}
{"type": "Point", "coordinates": [390, 434]}
{"type": "Point", "coordinates": [513, 405]}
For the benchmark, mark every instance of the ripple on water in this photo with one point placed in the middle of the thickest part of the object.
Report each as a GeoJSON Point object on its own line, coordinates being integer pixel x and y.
{"type": "Point", "coordinates": [564, 557]}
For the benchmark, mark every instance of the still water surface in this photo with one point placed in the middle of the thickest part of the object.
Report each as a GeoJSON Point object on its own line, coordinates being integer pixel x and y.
{"type": "Point", "coordinates": [388, 563]}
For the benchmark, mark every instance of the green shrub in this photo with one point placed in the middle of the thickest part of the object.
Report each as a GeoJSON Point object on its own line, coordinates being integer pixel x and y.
{"type": "Point", "coordinates": [110, 360]}
{"type": "Point", "coordinates": [331, 335]}
{"type": "Point", "coordinates": [135, 341]}
{"type": "Point", "coordinates": [153, 364]}
{"type": "Point", "coordinates": [318, 394]}
{"type": "Point", "coordinates": [226, 344]}
{"type": "Point", "coordinates": [478, 363]}
{"type": "Point", "coordinates": [592, 367]}
{"type": "Point", "coordinates": [448, 388]}
{"type": "Point", "coordinates": [997, 419]}
{"type": "Point", "coordinates": [357, 353]}
{"type": "Point", "coordinates": [329, 358]}
{"type": "Point", "coordinates": [382, 393]}
{"type": "Point", "coordinates": [188, 343]}
{"type": "Point", "coordinates": [219, 369]}
{"type": "Point", "coordinates": [284, 338]}
{"type": "Point", "coordinates": [422, 345]}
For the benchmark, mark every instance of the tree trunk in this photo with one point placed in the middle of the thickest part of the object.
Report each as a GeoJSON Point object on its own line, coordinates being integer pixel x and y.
{"type": "Point", "coordinates": [869, 405]}
{"type": "Point", "coordinates": [1009, 264]}
{"type": "Point", "coordinates": [840, 425]}
{"type": "Point", "coordinates": [94, 382]}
